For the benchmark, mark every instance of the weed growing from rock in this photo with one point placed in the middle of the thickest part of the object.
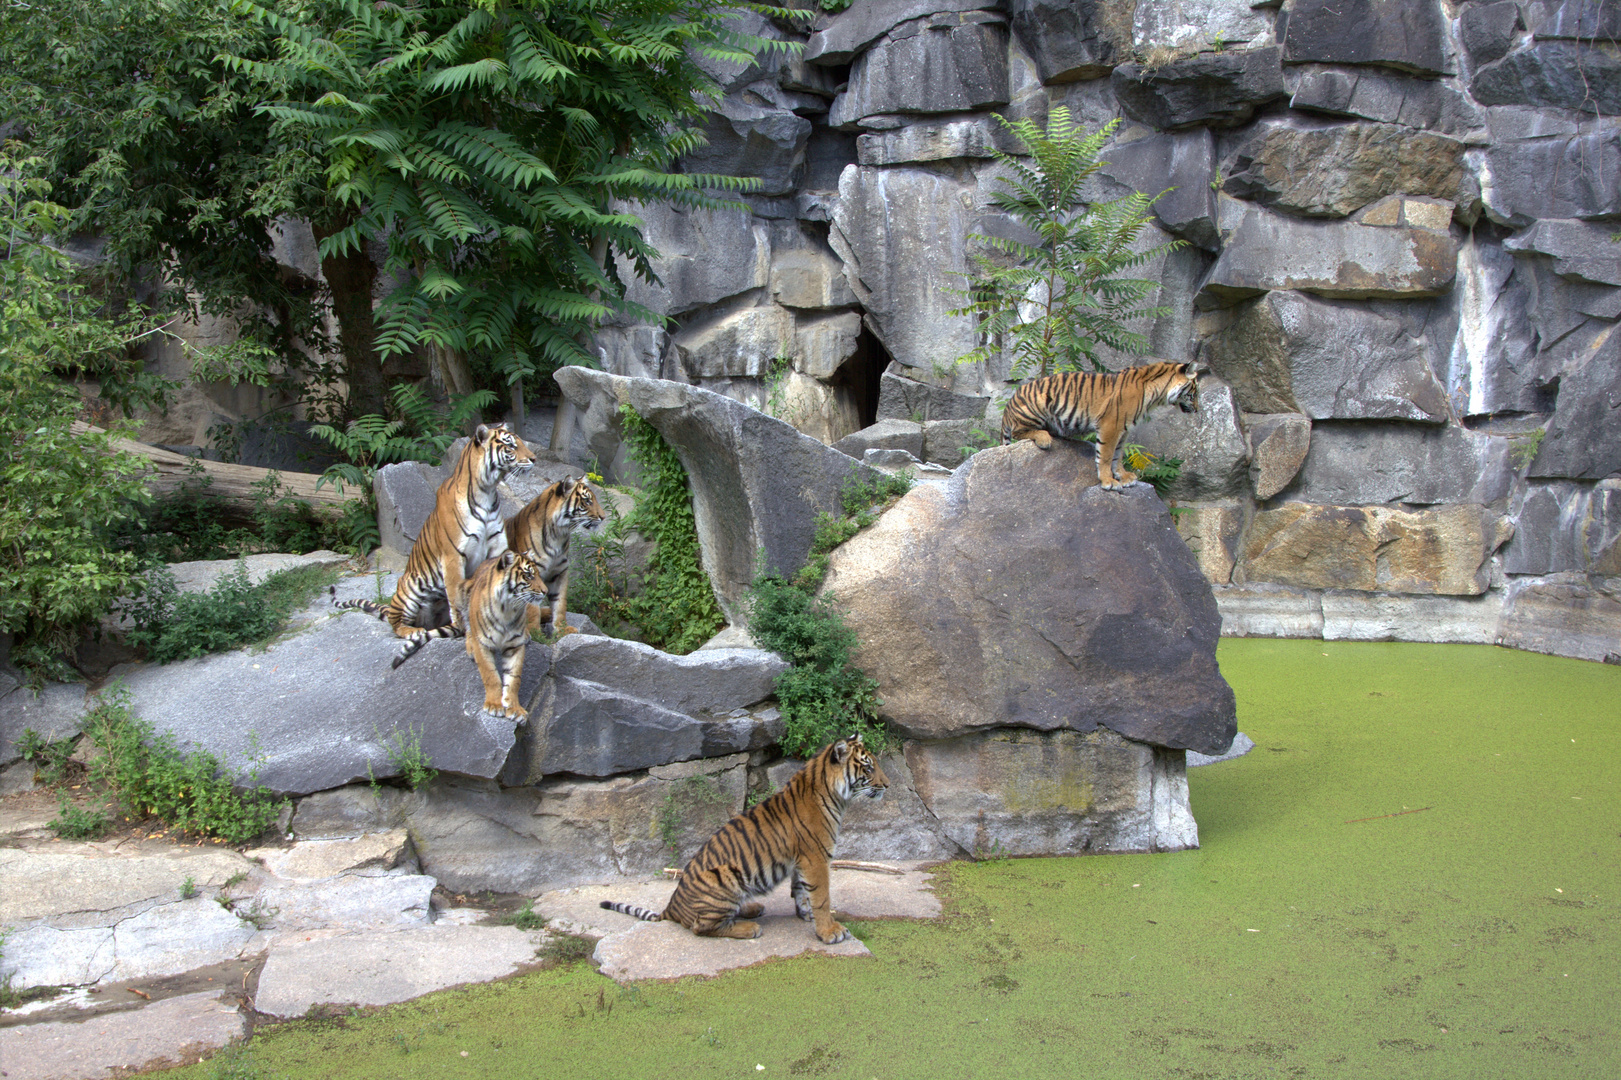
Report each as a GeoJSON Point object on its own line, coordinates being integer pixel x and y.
{"type": "Point", "coordinates": [526, 918]}
{"type": "Point", "coordinates": [77, 823]}
{"type": "Point", "coordinates": [408, 759]}
{"type": "Point", "coordinates": [171, 625]}
{"type": "Point", "coordinates": [50, 759]}
{"type": "Point", "coordinates": [565, 949]}
{"type": "Point", "coordinates": [1156, 469]}
{"type": "Point", "coordinates": [188, 888]}
{"type": "Point", "coordinates": [152, 777]}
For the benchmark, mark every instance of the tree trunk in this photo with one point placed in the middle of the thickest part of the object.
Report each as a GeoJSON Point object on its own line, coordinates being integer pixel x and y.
{"type": "Point", "coordinates": [351, 277]}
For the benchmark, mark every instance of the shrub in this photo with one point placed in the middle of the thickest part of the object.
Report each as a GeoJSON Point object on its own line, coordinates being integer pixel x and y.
{"type": "Point", "coordinates": [152, 777]}
{"type": "Point", "coordinates": [1155, 468]}
{"type": "Point", "coordinates": [76, 823]}
{"type": "Point", "coordinates": [676, 610]}
{"type": "Point", "coordinates": [171, 625]}
{"type": "Point", "coordinates": [50, 759]}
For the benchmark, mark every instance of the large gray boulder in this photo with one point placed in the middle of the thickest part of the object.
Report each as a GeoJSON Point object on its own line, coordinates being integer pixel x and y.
{"type": "Point", "coordinates": [705, 256]}
{"type": "Point", "coordinates": [1180, 24]}
{"type": "Point", "coordinates": [884, 435]}
{"type": "Point", "coordinates": [1579, 20]}
{"type": "Point", "coordinates": [903, 398]}
{"type": "Point", "coordinates": [757, 484]}
{"type": "Point", "coordinates": [1287, 352]}
{"type": "Point", "coordinates": [54, 712]}
{"type": "Point", "coordinates": [1215, 456]}
{"type": "Point", "coordinates": [1489, 31]}
{"type": "Point", "coordinates": [1278, 445]}
{"type": "Point", "coordinates": [1566, 526]}
{"type": "Point", "coordinates": [1408, 35]}
{"type": "Point", "coordinates": [1335, 171]}
{"type": "Point", "coordinates": [1553, 74]}
{"type": "Point", "coordinates": [1580, 250]}
{"type": "Point", "coordinates": [1398, 248]}
{"type": "Point", "coordinates": [1355, 463]}
{"type": "Point", "coordinates": [1184, 162]}
{"type": "Point", "coordinates": [1584, 436]}
{"type": "Point", "coordinates": [949, 62]}
{"type": "Point", "coordinates": [936, 140]}
{"type": "Point", "coordinates": [1385, 96]}
{"type": "Point", "coordinates": [1074, 39]}
{"type": "Point", "coordinates": [1570, 177]}
{"type": "Point", "coordinates": [978, 607]}
{"type": "Point", "coordinates": [747, 139]}
{"type": "Point", "coordinates": [1216, 89]}
{"type": "Point", "coordinates": [1563, 614]}
{"type": "Point", "coordinates": [1488, 331]}
{"type": "Point", "coordinates": [859, 25]}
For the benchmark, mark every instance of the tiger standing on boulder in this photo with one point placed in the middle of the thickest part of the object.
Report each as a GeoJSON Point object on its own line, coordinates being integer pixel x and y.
{"type": "Point", "coordinates": [793, 831]}
{"type": "Point", "coordinates": [463, 531]}
{"type": "Point", "coordinates": [1070, 404]}
{"type": "Point", "coordinates": [542, 530]}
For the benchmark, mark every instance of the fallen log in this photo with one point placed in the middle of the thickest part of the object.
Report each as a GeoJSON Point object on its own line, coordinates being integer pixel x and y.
{"type": "Point", "coordinates": [234, 486]}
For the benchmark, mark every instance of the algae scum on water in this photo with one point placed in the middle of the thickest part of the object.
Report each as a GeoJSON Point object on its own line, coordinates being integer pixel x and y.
{"type": "Point", "coordinates": [1414, 874]}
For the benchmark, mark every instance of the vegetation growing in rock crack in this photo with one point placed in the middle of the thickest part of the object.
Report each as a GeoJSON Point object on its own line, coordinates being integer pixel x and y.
{"type": "Point", "coordinates": [1055, 298]}
{"type": "Point", "coordinates": [410, 762]}
{"type": "Point", "coordinates": [676, 609]}
{"type": "Point", "coordinates": [171, 625]}
{"type": "Point", "coordinates": [824, 695]}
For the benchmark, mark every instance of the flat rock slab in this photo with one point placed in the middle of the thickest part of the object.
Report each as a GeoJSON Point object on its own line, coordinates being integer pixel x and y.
{"type": "Point", "coordinates": [631, 949]}
{"type": "Point", "coordinates": [204, 574]}
{"type": "Point", "coordinates": [168, 1031]}
{"type": "Point", "coordinates": [77, 878]}
{"type": "Point", "coordinates": [382, 967]}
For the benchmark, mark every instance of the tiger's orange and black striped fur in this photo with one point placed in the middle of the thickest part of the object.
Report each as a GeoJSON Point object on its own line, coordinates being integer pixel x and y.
{"type": "Point", "coordinates": [792, 832]}
{"type": "Point", "coordinates": [1071, 404]}
{"type": "Point", "coordinates": [463, 531]}
{"type": "Point", "coordinates": [542, 530]}
{"type": "Point", "coordinates": [496, 610]}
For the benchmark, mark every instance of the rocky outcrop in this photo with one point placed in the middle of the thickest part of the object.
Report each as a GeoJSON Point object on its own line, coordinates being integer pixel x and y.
{"type": "Point", "coordinates": [1215, 89]}
{"type": "Point", "coordinates": [1335, 171]}
{"type": "Point", "coordinates": [1407, 35]}
{"type": "Point", "coordinates": [978, 609]}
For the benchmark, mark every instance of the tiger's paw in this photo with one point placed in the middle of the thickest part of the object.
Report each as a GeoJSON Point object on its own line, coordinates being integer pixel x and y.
{"type": "Point", "coordinates": [833, 935]}
{"type": "Point", "coordinates": [566, 629]}
{"type": "Point", "coordinates": [751, 911]}
{"type": "Point", "coordinates": [510, 712]}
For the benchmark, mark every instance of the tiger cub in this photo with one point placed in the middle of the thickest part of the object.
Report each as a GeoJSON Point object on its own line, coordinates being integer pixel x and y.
{"type": "Point", "coordinates": [463, 531]}
{"type": "Point", "coordinates": [792, 831]}
{"type": "Point", "coordinates": [496, 615]}
{"type": "Point", "coordinates": [542, 530]}
{"type": "Point", "coordinates": [1073, 403]}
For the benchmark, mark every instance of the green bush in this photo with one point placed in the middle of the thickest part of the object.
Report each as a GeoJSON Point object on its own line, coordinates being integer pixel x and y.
{"type": "Point", "coordinates": [676, 610]}
{"type": "Point", "coordinates": [171, 625]}
{"type": "Point", "coordinates": [76, 823]}
{"type": "Point", "coordinates": [50, 759]}
{"type": "Point", "coordinates": [152, 777]}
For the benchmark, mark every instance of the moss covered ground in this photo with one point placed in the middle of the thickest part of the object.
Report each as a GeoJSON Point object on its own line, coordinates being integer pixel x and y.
{"type": "Point", "coordinates": [1416, 873]}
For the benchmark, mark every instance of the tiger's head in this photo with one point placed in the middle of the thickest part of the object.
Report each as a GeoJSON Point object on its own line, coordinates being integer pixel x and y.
{"type": "Point", "coordinates": [1183, 391]}
{"type": "Point", "coordinates": [860, 772]}
{"type": "Point", "coordinates": [579, 508]}
{"type": "Point", "coordinates": [503, 449]}
{"type": "Point", "coordinates": [522, 577]}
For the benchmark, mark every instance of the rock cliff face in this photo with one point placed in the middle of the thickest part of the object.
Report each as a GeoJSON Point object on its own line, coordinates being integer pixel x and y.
{"type": "Point", "coordinates": [1399, 215]}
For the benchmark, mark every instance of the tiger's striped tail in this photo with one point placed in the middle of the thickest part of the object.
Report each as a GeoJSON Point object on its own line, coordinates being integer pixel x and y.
{"type": "Point", "coordinates": [413, 644]}
{"type": "Point", "coordinates": [379, 611]}
{"type": "Point", "coordinates": [633, 911]}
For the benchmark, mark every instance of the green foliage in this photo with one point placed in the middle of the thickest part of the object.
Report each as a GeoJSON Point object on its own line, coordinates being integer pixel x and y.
{"type": "Point", "coordinates": [77, 823]}
{"type": "Point", "coordinates": [978, 439]}
{"type": "Point", "coordinates": [1525, 447]}
{"type": "Point", "coordinates": [60, 493]}
{"type": "Point", "coordinates": [420, 431]}
{"type": "Point", "coordinates": [861, 502]}
{"type": "Point", "coordinates": [188, 888]}
{"type": "Point", "coordinates": [171, 625]}
{"type": "Point", "coordinates": [152, 777]}
{"type": "Point", "coordinates": [486, 144]}
{"type": "Point", "coordinates": [676, 610]}
{"type": "Point", "coordinates": [525, 918]}
{"type": "Point", "coordinates": [1155, 468]}
{"type": "Point", "coordinates": [1059, 298]}
{"type": "Point", "coordinates": [565, 949]}
{"type": "Point", "coordinates": [50, 759]}
{"type": "Point", "coordinates": [410, 763]}
{"type": "Point", "coordinates": [597, 583]}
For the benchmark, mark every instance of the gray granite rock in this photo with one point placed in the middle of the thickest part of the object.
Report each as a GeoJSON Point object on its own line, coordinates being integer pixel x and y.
{"type": "Point", "coordinates": [949, 62]}
{"type": "Point", "coordinates": [1563, 614]}
{"type": "Point", "coordinates": [854, 29]}
{"type": "Point", "coordinates": [1215, 456]}
{"type": "Point", "coordinates": [1553, 178]}
{"type": "Point", "coordinates": [353, 901]}
{"type": "Point", "coordinates": [1357, 259]}
{"type": "Point", "coordinates": [977, 609]}
{"type": "Point", "coordinates": [1581, 250]}
{"type": "Point", "coordinates": [1385, 96]}
{"type": "Point", "coordinates": [1289, 352]}
{"type": "Point", "coordinates": [1548, 528]}
{"type": "Point", "coordinates": [1584, 436]}
{"type": "Point", "coordinates": [1074, 39]}
{"type": "Point", "coordinates": [936, 140]}
{"type": "Point", "coordinates": [175, 938]}
{"type": "Point", "coordinates": [704, 256]}
{"type": "Point", "coordinates": [1601, 529]}
{"type": "Point", "coordinates": [168, 1031]}
{"type": "Point", "coordinates": [1183, 162]}
{"type": "Point", "coordinates": [823, 343]}
{"type": "Point", "coordinates": [757, 484]}
{"type": "Point", "coordinates": [884, 435]}
{"type": "Point", "coordinates": [746, 139]}
{"type": "Point", "coordinates": [55, 712]}
{"type": "Point", "coordinates": [1335, 171]}
{"type": "Point", "coordinates": [736, 343]}
{"type": "Point", "coordinates": [1357, 463]}
{"type": "Point", "coordinates": [1487, 332]}
{"type": "Point", "coordinates": [1489, 31]}
{"type": "Point", "coordinates": [944, 440]}
{"type": "Point", "coordinates": [1179, 24]}
{"type": "Point", "coordinates": [711, 682]}
{"type": "Point", "coordinates": [349, 811]}
{"type": "Point", "coordinates": [1553, 74]}
{"type": "Point", "coordinates": [1407, 35]}
{"type": "Point", "coordinates": [1216, 89]}
{"type": "Point", "coordinates": [808, 279]}
{"type": "Point", "coordinates": [903, 398]}
{"type": "Point", "coordinates": [1580, 20]}
{"type": "Point", "coordinates": [1279, 442]}
{"type": "Point", "coordinates": [1360, 616]}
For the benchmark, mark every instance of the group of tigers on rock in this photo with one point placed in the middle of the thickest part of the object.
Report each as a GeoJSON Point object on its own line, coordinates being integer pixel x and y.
{"type": "Point", "coordinates": [471, 573]}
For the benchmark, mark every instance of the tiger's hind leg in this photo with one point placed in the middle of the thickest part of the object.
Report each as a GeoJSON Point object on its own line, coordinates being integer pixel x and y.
{"type": "Point", "coordinates": [751, 910]}
{"type": "Point", "coordinates": [802, 897]}
{"type": "Point", "coordinates": [729, 927]}
{"type": "Point", "coordinates": [557, 598]}
{"type": "Point", "coordinates": [1040, 436]}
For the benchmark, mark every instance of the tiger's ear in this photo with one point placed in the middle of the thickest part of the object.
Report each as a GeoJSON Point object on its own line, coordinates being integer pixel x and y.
{"type": "Point", "coordinates": [841, 750]}
{"type": "Point", "coordinates": [481, 435]}
{"type": "Point", "coordinates": [1192, 369]}
{"type": "Point", "coordinates": [508, 557]}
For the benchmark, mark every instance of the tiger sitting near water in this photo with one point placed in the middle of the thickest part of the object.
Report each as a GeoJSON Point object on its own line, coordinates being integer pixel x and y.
{"type": "Point", "coordinates": [1071, 404]}
{"type": "Point", "coordinates": [542, 530]}
{"type": "Point", "coordinates": [495, 608]}
{"type": "Point", "coordinates": [463, 531]}
{"type": "Point", "coordinates": [792, 831]}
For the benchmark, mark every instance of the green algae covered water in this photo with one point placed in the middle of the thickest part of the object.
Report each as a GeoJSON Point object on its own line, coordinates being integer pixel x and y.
{"type": "Point", "coordinates": [1416, 873]}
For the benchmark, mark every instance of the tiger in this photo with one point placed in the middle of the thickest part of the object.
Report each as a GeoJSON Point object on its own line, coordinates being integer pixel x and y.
{"type": "Point", "coordinates": [542, 530]}
{"type": "Point", "coordinates": [1073, 403]}
{"type": "Point", "coordinates": [495, 613]}
{"type": "Point", "coordinates": [792, 831]}
{"type": "Point", "coordinates": [463, 531]}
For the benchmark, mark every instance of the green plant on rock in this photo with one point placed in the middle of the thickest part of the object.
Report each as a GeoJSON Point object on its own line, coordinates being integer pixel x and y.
{"type": "Point", "coordinates": [676, 609]}
{"type": "Point", "coordinates": [50, 759]}
{"type": "Point", "coordinates": [171, 625]}
{"type": "Point", "coordinates": [1156, 469]}
{"type": "Point", "coordinates": [1057, 300]}
{"type": "Point", "coordinates": [409, 761]}
{"type": "Point", "coordinates": [76, 822]}
{"type": "Point", "coordinates": [1525, 447]}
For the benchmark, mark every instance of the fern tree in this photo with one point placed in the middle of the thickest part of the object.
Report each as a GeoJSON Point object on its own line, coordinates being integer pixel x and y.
{"type": "Point", "coordinates": [1057, 300]}
{"type": "Point", "coordinates": [485, 143]}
